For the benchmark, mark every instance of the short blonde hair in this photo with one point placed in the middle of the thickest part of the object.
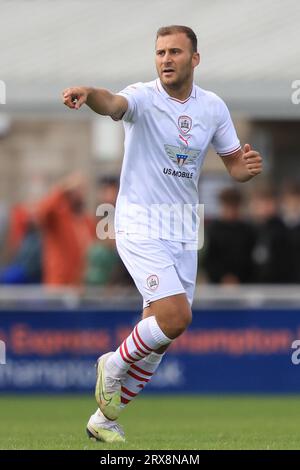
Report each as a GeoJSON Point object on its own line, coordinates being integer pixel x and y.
{"type": "Point", "coordinates": [173, 29]}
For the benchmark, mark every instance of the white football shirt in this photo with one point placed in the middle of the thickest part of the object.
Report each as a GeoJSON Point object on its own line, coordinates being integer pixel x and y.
{"type": "Point", "coordinates": [166, 141]}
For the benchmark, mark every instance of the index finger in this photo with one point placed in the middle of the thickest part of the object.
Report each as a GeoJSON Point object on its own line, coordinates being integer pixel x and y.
{"type": "Point", "coordinates": [66, 93]}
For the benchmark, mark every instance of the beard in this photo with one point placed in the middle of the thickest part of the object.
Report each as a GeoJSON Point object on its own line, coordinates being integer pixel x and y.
{"type": "Point", "coordinates": [176, 82]}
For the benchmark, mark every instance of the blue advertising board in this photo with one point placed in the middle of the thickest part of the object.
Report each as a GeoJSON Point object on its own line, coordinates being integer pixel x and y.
{"type": "Point", "coordinates": [223, 351]}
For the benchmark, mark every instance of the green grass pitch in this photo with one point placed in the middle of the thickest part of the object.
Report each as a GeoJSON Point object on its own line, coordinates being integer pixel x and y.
{"type": "Point", "coordinates": [161, 422]}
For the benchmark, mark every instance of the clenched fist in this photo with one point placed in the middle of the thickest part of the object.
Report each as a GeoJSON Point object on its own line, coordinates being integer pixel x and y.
{"type": "Point", "coordinates": [253, 160]}
{"type": "Point", "coordinates": [75, 97]}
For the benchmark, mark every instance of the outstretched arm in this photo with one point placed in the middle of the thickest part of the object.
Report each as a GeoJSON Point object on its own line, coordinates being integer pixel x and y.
{"type": "Point", "coordinates": [243, 164]}
{"type": "Point", "coordinates": [98, 99]}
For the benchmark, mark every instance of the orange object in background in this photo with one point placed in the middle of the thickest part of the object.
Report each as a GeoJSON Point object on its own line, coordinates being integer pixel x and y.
{"type": "Point", "coordinates": [67, 233]}
{"type": "Point", "coordinates": [19, 218]}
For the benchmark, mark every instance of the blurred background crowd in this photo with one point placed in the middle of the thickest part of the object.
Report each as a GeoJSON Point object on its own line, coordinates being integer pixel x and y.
{"type": "Point", "coordinates": [54, 241]}
{"type": "Point", "coordinates": [252, 235]}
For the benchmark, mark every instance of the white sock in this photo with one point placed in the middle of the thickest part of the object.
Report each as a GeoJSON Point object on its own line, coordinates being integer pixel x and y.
{"type": "Point", "coordinates": [145, 338]}
{"type": "Point", "coordinates": [99, 417]}
{"type": "Point", "coordinates": [137, 377]}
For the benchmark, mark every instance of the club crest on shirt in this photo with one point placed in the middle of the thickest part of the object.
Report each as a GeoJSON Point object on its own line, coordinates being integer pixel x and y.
{"type": "Point", "coordinates": [185, 124]}
{"type": "Point", "coordinates": [153, 282]}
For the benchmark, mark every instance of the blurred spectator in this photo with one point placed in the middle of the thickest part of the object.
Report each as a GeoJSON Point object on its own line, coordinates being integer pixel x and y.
{"type": "Point", "coordinates": [67, 232]}
{"type": "Point", "coordinates": [104, 264]}
{"type": "Point", "coordinates": [26, 265]}
{"type": "Point", "coordinates": [101, 263]}
{"type": "Point", "coordinates": [290, 206]}
{"type": "Point", "coordinates": [107, 190]}
{"type": "Point", "coordinates": [271, 254]}
{"type": "Point", "coordinates": [18, 222]}
{"type": "Point", "coordinates": [229, 243]}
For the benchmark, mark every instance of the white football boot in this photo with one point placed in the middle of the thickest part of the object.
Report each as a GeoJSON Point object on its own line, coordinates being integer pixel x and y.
{"type": "Point", "coordinates": [107, 390]}
{"type": "Point", "coordinates": [100, 428]}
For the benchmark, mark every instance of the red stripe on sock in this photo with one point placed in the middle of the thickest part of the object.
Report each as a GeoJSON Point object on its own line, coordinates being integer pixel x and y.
{"type": "Point", "coordinates": [139, 355]}
{"type": "Point", "coordinates": [122, 354]}
{"type": "Point", "coordinates": [142, 371]}
{"type": "Point", "coordinates": [128, 392]}
{"type": "Point", "coordinates": [124, 400]}
{"type": "Point", "coordinates": [137, 377]}
{"type": "Point", "coordinates": [127, 353]}
{"type": "Point", "coordinates": [145, 353]}
{"type": "Point", "coordinates": [141, 386]}
{"type": "Point", "coordinates": [141, 341]}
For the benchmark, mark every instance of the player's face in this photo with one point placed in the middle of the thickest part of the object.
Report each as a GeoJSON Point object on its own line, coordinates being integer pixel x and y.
{"type": "Point", "coordinates": [175, 60]}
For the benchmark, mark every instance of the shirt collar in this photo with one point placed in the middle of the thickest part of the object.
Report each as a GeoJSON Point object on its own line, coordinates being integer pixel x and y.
{"type": "Point", "coordinates": [161, 90]}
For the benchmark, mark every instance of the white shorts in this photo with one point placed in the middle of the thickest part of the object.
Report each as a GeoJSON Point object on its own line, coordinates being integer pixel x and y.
{"type": "Point", "coordinates": [159, 268]}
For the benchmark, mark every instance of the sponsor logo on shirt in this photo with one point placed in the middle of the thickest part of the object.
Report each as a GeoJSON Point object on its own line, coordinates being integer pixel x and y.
{"type": "Point", "coordinates": [179, 174]}
{"type": "Point", "coordinates": [182, 157]}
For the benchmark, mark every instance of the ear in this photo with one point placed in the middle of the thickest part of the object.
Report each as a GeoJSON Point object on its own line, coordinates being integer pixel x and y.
{"type": "Point", "coordinates": [196, 59]}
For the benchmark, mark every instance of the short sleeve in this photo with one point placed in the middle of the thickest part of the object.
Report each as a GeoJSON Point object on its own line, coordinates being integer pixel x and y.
{"type": "Point", "coordinates": [136, 96]}
{"type": "Point", "coordinates": [225, 140]}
